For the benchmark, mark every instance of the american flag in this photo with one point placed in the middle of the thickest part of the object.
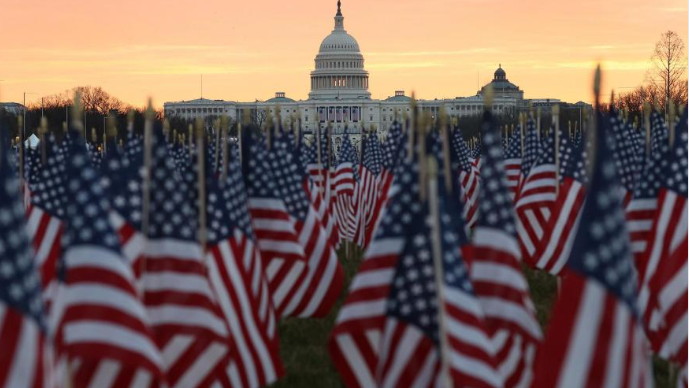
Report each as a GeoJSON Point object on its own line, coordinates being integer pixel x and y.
{"type": "Point", "coordinates": [625, 156]}
{"type": "Point", "coordinates": [284, 260]}
{"type": "Point", "coordinates": [663, 288]}
{"type": "Point", "coordinates": [513, 162]}
{"type": "Point", "coordinates": [373, 185]}
{"type": "Point", "coordinates": [322, 179]}
{"type": "Point", "coordinates": [469, 177]}
{"type": "Point", "coordinates": [496, 273]}
{"type": "Point", "coordinates": [643, 205]}
{"type": "Point", "coordinates": [535, 200]}
{"type": "Point", "coordinates": [659, 132]}
{"type": "Point", "coordinates": [188, 324]}
{"type": "Point", "coordinates": [393, 146]}
{"type": "Point", "coordinates": [560, 230]}
{"type": "Point", "coordinates": [236, 274]}
{"type": "Point", "coordinates": [24, 359]}
{"type": "Point", "coordinates": [387, 333]}
{"type": "Point", "coordinates": [101, 328]}
{"type": "Point", "coordinates": [595, 336]}
{"type": "Point", "coordinates": [532, 150]}
{"type": "Point", "coordinates": [44, 217]}
{"type": "Point", "coordinates": [318, 290]}
{"type": "Point", "coordinates": [345, 179]}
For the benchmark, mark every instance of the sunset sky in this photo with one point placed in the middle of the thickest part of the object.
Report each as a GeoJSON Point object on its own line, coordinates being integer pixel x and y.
{"type": "Point", "coordinates": [248, 50]}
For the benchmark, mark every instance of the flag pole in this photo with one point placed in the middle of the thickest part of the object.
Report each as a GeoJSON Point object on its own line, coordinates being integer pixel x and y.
{"type": "Point", "coordinates": [200, 159]}
{"type": "Point", "coordinates": [446, 149]}
{"type": "Point", "coordinates": [224, 125]}
{"type": "Point", "coordinates": [146, 183]}
{"type": "Point", "coordinates": [44, 130]}
{"type": "Point", "coordinates": [556, 128]}
{"type": "Point", "coordinates": [432, 173]}
{"type": "Point", "coordinates": [522, 124]}
{"type": "Point", "coordinates": [413, 122]}
{"type": "Point", "coordinates": [217, 145]}
{"type": "Point", "coordinates": [647, 127]}
{"type": "Point", "coordinates": [424, 123]}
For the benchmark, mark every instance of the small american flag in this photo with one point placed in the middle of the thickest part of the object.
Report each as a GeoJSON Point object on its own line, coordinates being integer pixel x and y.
{"type": "Point", "coordinates": [625, 156]}
{"type": "Point", "coordinates": [318, 290]}
{"type": "Point", "coordinates": [44, 217]}
{"type": "Point", "coordinates": [345, 178]}
{"type": "Point", "coordinates": [101, 327]}
{"type": "Point", "coordinates": [387, 332]}
{"type": "Point", "coordinates": [188, 325]}
{"type": "Point", "coordinates": [369, 198]}
{"type": "Point", "coordinates": [496, 273]}
{"type": "Point", "coordinates": [560, 230]}
{"type": "Point", "coordinates": [469, 177]}
{"type": "Point", "coordinates": [24, 360]}
{"type": "Point", "coordinates": [643, 205]}
{"type": "Point", "coordinates": [663, 288]}
{"type": "Point", "coordinates": [532, 148]}
{"type": "Point", "coordinates": [513, 162]}
{"type": "Point", "coordinates": [595, 335]}
{"type": "Point", "coordinates": [535, 200]}
{"type": "Point", "coordinates": [284, 260]}
{"type": "Point", "coordinates": [236, 274]}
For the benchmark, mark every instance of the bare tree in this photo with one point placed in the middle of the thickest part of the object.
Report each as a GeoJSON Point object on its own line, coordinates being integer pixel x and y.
{"type": "Point", "coordinates": [670, 64]}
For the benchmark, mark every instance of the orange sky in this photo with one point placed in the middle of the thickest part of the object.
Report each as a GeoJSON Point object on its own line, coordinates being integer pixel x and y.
{"type": "Point", "coordinates": [249, 49]}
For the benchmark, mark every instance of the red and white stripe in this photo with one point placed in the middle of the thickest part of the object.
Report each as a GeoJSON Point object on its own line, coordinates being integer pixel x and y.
{"type": "Point", "coordinates": [284, 260]}
{"type": "Point", "coordinates": [470, 182]}
{"type": "Point", "coordinates": [188, 324]}
{"type": "Point", "coordinates": [355, 341]}
{"type": "Point", "coordinates": [344, 184]}
{"type": "Point", "coordinates": [560, 230]}
{"type": "Point", "coordinates": [504, 296]}
{"type": "Point", "coordinates": [593, 340]}
{"type": "Point", "coordinates": [236, 274]}
{"type": "Point", "coordinates": [318, 290]}
{"type": "Point", "coordinates": [45, 232]}
{"type": "Point", "coordinates": [513, 168]}
{"type": "Point", "coordinates": [100, 325]}
{"type": "Point", "coordinates": [663, 274]}
{"type": "Point", "coordinates": [535, 200]}
{"type": "Point", "coordinates": [25, 357]}
{"type": "Point", "coordinates": [384, 185]}
{"type": "Point", "coordinates": [640, 213]}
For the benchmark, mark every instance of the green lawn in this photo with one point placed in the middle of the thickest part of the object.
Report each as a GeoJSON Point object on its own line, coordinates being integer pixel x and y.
{"type": "Point", "coordinates": [303, 341]}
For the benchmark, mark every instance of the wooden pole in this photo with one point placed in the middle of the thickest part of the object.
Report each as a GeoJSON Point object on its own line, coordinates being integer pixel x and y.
{"type": "Point", "coordinates": [44, 130]}
{"type": "Point", "coordinates": [647, 128]}
{"type": "Point", "coordinates": [224, 124]}
{"type": "Point", "coordinates": [446, 149]}
{"type": "Point", "coordinates": [200, 159]}
{"type": "Point", "coordinates": [556, 124]}
{"type": "Point", "coordinates": [436, 247]}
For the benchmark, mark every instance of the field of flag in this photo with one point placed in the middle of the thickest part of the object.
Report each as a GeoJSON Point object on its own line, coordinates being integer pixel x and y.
{"type": "Point", "coordinates": [529, 258]}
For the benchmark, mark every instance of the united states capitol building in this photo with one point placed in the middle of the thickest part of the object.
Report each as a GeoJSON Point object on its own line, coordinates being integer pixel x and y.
{"type": "Point", "coordinates": [340, 95]}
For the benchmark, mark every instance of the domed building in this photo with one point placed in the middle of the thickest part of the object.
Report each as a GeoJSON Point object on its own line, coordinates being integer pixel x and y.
{"type": "Point", "coordinates": [339, 72]}
{"type": "Point", "coordinates": [339, 96]}
{"type": "Point", "coordinates": [502, 87]}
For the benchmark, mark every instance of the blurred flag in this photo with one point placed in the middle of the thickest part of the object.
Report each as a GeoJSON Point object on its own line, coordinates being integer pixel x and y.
{"type": "Point", "coordinates": [595, 335]}
{"type": "Point", "coordinates": [496, 273]}
{"type": "Point", "coordinates": [24, 354]}
{"type": "Point", "coordinates": [101, 328]}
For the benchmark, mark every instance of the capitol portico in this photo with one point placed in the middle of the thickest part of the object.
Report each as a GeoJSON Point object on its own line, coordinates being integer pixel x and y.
{"type": "Point", "coordinates": [340, 94]}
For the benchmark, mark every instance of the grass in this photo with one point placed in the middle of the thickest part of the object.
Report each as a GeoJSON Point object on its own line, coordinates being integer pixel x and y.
{"type": "Point", "coordinates": [303, 342]}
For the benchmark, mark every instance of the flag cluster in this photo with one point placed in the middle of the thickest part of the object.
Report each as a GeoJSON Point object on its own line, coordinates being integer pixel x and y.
{"type": "Point", "coordinates": [156, 263]}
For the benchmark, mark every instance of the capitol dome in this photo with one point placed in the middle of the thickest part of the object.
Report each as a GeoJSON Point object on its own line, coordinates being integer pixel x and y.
{"type": "Point", "coordinates": [339, 71]}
